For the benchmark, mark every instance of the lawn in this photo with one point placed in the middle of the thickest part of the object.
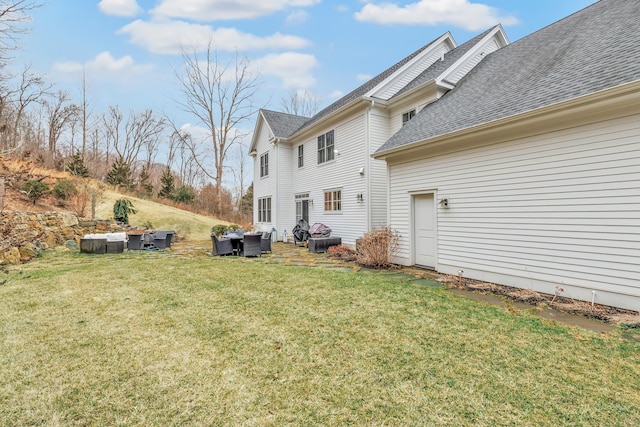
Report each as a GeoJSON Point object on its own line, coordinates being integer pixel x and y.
{"type": "Point", "coordinates": [151, 338]}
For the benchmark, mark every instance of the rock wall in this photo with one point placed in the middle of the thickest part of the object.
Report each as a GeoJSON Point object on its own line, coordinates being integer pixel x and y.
{"type": "Point", "coordinates": [24, 235]}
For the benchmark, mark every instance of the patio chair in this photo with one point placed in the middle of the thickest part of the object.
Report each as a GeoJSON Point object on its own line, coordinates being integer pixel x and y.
{"type": "Point", "coordinates": [221, 246]}
{"type": "Point", "coordinates": [251, 245]}
{"type": "Point", "coordinates": [265, 242]}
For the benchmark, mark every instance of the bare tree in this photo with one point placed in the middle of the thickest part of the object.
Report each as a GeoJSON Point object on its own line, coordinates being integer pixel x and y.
{"type": "Point", "coordinates": [14, 103]}
{"type": "Point", "coordinates": [60, 115]}
{"type": "Point", "coordinates": [221, 97]}
{"type": "Point", "coordinates": [13, 17]}
{"type": "Point", "coordinates": [239, 172]}
{"type": "Point", "coordinates": [301, 103]}
{"type": "Point", "coordinates": [141, 130]}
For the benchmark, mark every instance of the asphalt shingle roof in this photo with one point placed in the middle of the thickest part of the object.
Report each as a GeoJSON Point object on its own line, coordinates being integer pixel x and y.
{"type": "Point", "coordinates": [440, 67]}
{"type": "Point", "coordinates": [594, 49]}
{"type": "Point", "coordinates": [283, 125]}
{"type": "Point", "coordinates": [285, 122]}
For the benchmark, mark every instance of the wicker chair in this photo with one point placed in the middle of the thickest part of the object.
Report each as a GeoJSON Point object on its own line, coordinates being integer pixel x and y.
{"type": "Point", "coordinates": [265, 242]}
{"type": "Point", "coordinates": [221, 246]}
{"type": "Point", "coordinates": [251, 245]}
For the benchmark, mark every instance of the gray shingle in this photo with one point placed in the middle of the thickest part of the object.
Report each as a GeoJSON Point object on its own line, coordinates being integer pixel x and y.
{"type": "Point", "coordinates": [594, 49]}
{"type": "Point", "coordinates": [441, 66]}
{"type": "Point", "coordinates": [363, 89]}
{"type": "Point", "coordinates": [283, 125]}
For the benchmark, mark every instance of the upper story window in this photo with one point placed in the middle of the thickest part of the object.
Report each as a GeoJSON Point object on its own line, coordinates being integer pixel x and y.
{"type": "Point", "coordinates": [300, 156]}
{"type": "Point", "coordinates": [264, 165]}
{"type": "Point", "coordinates": [408, 116]}
{"type": "Point", "coordinates": [326, 147]}
{"type": "Point", "coordinates": [333, 200]}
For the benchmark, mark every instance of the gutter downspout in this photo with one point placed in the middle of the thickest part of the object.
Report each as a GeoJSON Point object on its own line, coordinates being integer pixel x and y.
{"type": "Point", "coordinates": [367, 164]}
{"type": "Point", "coordinates": [274, 144]}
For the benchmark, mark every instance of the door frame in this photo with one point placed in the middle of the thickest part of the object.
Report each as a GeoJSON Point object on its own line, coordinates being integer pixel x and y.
{"type": "Point", "coordinates": [412, 225]}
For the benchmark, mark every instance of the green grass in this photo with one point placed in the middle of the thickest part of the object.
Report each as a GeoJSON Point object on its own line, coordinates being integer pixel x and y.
{"type": "Point", "coordinates": [163, 217]}
{"type": "Point", "coordinates": [157, 339]}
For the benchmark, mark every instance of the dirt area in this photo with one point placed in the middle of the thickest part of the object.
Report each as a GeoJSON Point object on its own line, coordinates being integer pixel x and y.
{"type": "Point", "coordinates": [607, 314]}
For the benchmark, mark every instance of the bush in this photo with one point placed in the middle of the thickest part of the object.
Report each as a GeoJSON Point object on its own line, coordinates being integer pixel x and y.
{"type": "Point", "coordinates": [121, 210]}
{"type": "Point", "coordinates": [218, 230]}
{"type": "Point", "coordinates": [183, 194]}
{"type": "Point", "coordinates": [64, 189]}
{"type": "Point", "coordinates": [377, 248]}
{"type": "Point", "coordinates": [35, 189]}
{"type": "Point", "coordinates": [342, 252]}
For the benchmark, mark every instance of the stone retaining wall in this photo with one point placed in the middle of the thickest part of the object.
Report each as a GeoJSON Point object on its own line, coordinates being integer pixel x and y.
{"type": "Point", "coordinates": [25, 234]}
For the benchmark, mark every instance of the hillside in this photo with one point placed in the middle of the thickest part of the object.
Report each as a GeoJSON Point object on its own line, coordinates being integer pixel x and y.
{"type": "Point", "coordinates": [189, 225]}
{"type": "Point", "coordinates": [160, 216]}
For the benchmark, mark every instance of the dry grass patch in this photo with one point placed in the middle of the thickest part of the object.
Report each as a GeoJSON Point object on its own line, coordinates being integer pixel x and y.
{"type": "Point", "coordinates": [157, 339]}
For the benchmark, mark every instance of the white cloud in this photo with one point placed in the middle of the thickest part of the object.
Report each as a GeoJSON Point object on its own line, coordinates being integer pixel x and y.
{"type": "Point", "coordinates": [364, 77]}
{"type": "Point", "coordinates": [294, 69]}
{"type": "Point", "coordinates": [336, 94]}
{"type": "Point", "coordinates": [297, 17]}
{"type": "Point", "coordinates": [104, 64]}
{"type": "Point", "coordinates": [125, 8]}
{"type": "Point", "coordinates": [167, 37]}
{"type": "Point", "coordinates": [214, 10]}
{"type": "Point", "coordinates": [460, 13]}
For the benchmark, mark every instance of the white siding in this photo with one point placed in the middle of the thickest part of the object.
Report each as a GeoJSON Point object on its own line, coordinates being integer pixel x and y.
{"type": "Point", "coordinates": [264, 186]}
{"type": "Point", "coordinates": [285, 203]}
{"type": "Point", "coordinates": [379, 132]}
{"type": "Point", "coordinates": [406, 77]}
{"type": "Point", "coordinates": [479, 53]}
{"type": "Point", "coordinates": [560, 209]}
{"type": "Point", "coordinates": [341, 173]}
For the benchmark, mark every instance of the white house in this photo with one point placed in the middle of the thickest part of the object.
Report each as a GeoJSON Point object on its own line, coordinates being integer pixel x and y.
{"type": "Point", "coordinates": [320, 168]}
{"type": "Point", "coordinates": [527, 173]}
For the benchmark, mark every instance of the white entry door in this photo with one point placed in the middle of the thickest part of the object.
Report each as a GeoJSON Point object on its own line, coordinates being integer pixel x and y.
{"type": "Point", "coordinates": [424, 230]}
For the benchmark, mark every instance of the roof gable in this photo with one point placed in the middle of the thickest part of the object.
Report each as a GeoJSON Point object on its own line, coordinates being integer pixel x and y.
{"type": "Point", "coordinates": [592, 50]}
{"type": "Point", "coordinates": [434, 52]}
{"type": "Point", "coordinates": [463, 57]}
{"type": "Point", "coordinates": [362, 90]}
{"type": "Point", "coordinates": [280, 125]}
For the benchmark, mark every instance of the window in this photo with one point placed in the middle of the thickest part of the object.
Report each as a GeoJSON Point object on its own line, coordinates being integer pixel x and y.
{"type": "Point", "coordinates": [302, 206]}
{"type": "Point", "coordinates": [333, 200]}
{"type": "Point", "coordinates": [300, 156]}
{"type": "Point", "coordinates": [408, 116]}
{"type": "Point", "coordinates": [264, 165]}
{"type": "Point", "coordinates": [264, 209]}
{"type": "Point", "coordinates": [326, 151]}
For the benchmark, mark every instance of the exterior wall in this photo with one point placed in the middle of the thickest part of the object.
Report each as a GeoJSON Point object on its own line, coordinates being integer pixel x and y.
{"type": "Point", "coordinates": [341, 173]}
{"type": "Point", "coordinates": [556, 210]}
{"type": "Point", "coordinates": [379, 132]}
{"type": "Point", "coordinates": [264, 186]}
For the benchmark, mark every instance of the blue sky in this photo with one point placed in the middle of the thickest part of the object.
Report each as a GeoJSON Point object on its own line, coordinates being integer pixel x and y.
{"type": "Point", "coordinates": [129, 48]}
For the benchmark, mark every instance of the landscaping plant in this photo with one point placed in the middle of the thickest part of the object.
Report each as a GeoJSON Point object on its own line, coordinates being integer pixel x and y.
{"type": "Point", "coordinates": [35, 190]}
{"type": "Point", "coordinates": [121, 210]}
{"type": "Point", "coordinates": [377, 248]}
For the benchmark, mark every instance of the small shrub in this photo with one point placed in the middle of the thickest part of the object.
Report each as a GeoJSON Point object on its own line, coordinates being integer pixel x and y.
{"type": "Point", "coordinates": [64, 189]}
{"type": "Point", "coordinates": [377, 248]}
{"type": "Point", "coordinates": [121, 210]}
{"type": "Point", "coordinates": [342, 252]}
{"type": "Point", "coordinates": [233, 227]}
{"type": "Point", "coordinates": [35, 190]}
{"type": "Point", "coordinates": [218, 229]}
{"type": "Point", "coordinates": [183, 194]}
